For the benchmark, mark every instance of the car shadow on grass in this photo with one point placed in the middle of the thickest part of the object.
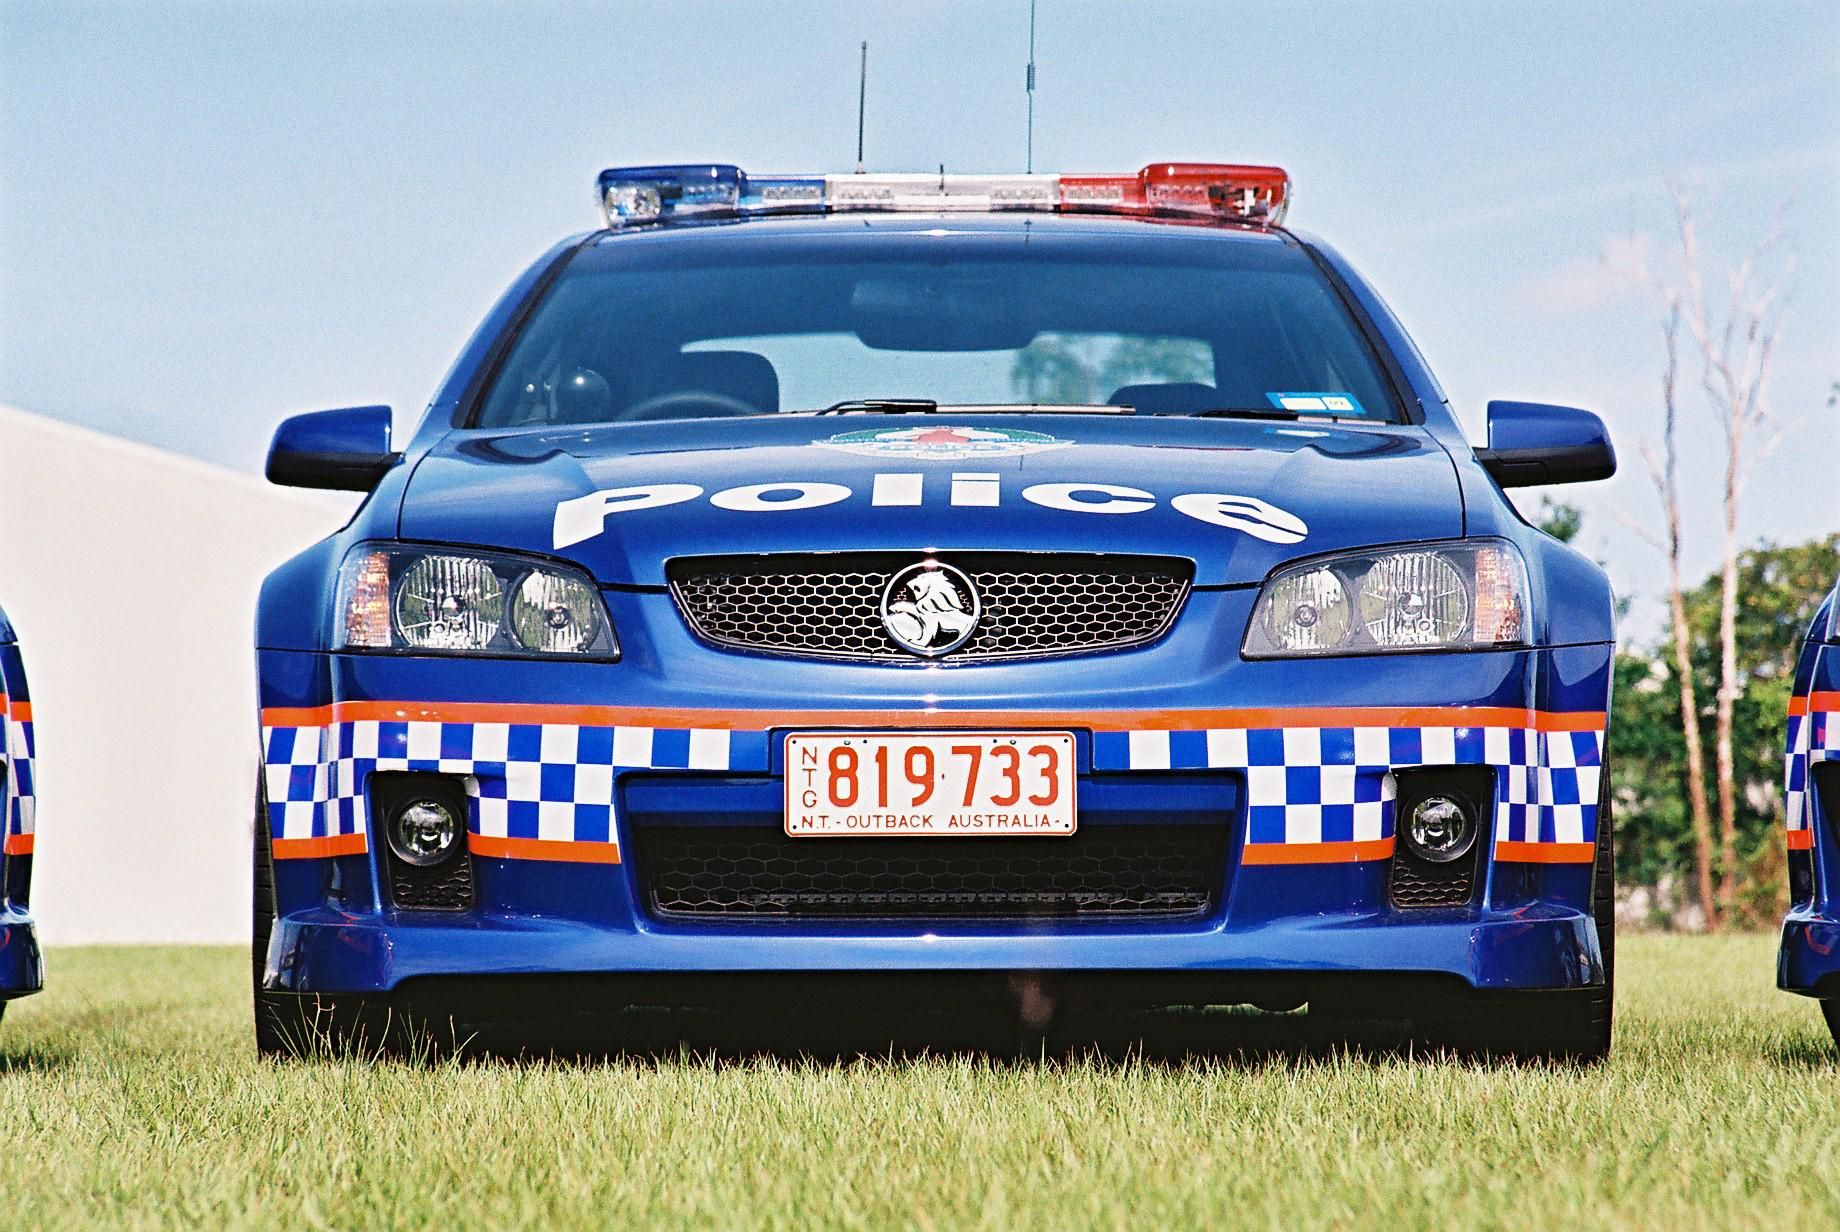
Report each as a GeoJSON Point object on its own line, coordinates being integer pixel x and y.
{"type": "Point", "coordinates": [31, 1060]}
{"type": "Point", "coordinates": [1173, 1038]}
{"type": "Point", "coordinates": [1015, 1017]}
{"type": "Point", "coordinates": [1813, 1054]}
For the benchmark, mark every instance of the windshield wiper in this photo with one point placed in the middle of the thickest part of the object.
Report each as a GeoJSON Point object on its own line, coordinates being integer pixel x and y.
{"type": "Point", "coordinates": [1241, 412]}
{"type": "Point", "coordinates": [881, 406]}
{"type": "Point", "coordinates": [902, 406]}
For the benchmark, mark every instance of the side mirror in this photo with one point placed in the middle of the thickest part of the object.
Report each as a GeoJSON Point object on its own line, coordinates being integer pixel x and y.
{"type": "Point", "coordinates": [346, 450]}
{"type": "Point", "coordinates": [1531, 443]}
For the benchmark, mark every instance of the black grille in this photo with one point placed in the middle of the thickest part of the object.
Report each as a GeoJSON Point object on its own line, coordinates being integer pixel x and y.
{"type": "Point", "coordinates": [830, 605]}
{"type": "Point", "coordinates": [750, 872]}
{"type": "Point", "coordinates": [1417, 883]}
{"type": "Point", "coordinates": [445, 887]}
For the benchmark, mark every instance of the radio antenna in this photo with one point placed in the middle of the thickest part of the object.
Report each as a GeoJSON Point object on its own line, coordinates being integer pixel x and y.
{"type": "Point", "coordinates": [862, 99]}
{"type": "Point", "coordinates": [1030, 87]}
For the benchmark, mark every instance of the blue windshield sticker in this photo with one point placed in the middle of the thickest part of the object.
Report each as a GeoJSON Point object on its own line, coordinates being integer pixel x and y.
{"type": "Point", "coordinates": [1317, 403]}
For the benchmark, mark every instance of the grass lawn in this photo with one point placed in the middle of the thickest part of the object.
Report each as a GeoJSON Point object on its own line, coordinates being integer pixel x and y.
{"type": "Point", "coordinates": [130, 1095]}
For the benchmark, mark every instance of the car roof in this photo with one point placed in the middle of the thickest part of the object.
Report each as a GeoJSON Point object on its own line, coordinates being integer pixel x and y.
{"type": "Point", "coordinates": [1097, 227]}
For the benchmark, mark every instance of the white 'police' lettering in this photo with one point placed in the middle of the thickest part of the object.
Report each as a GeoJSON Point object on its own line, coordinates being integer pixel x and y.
{"type": "Point", "coordinates": [584, 517]}
{"type": "Point", "coordinates": [1066, 496]}
{"type": "Point", "coordinates": [757, 498]}
{"type": "Point", "coordinates": [976, 490]}
{"type": "Point", "coordinates": [1260, 519]}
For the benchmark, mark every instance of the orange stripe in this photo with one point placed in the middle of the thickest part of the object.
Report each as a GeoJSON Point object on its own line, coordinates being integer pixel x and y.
{"type": "Point", "coordinates": [1801, 840]}
{"type": "Point", "coordinates": [1824, 701]}
{"type": "Point", "coordinates": [18, 711]}
{"type": "Point", "coordinates": [319, 848]}
{"type": "Point", "coordinates": [19, 844]}
{"type": "Point", "coordinates": [1098, 720]}
{"type": "Point", "coordinates": [1546, 853]}
{"type": "Point", "coordinates": [1798, 706]}
{"type": "Point", "coordinates": [1318, 853]}
{"type": "Point", "coordinates": [543, 849]}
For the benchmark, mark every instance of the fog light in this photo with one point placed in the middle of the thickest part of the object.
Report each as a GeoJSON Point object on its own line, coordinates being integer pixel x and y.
{"type": "Point", "coordinates": [423, 832]}
{"type": "Point", "coordinates": [1440, 829]}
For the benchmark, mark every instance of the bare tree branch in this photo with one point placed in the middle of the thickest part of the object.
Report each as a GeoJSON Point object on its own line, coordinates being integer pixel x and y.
{"type": "Point", "coordinates": [1736, 347]}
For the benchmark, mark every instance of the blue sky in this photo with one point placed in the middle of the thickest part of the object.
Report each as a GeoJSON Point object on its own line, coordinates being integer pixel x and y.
{"type": "Point", "coordinates": [214, 215]}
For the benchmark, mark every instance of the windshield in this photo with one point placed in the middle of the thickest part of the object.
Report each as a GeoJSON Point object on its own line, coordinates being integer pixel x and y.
{"type": "Point", "coordinates": [691, 327]}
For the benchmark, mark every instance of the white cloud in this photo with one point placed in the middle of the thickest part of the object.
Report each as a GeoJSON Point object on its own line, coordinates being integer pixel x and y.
{"type": "Point", "coordinates": [1618, 272]}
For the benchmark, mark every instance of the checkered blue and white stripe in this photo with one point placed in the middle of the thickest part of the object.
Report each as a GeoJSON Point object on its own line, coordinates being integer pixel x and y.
{"type": "Point", "coordinates": [554, 781]}
{"type": "Point", "coordinates": [1813, 736]}
{"type": "Point", "coordinates": [18, 750]}
{"type": "Point", "coordinates": [550, 781]}
{"type": "Point", "coordinates": [1334, 784]}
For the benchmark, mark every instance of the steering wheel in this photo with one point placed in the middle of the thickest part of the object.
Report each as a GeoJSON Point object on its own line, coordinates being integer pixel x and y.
{"type": "Point", "coordinates": [672, 406]}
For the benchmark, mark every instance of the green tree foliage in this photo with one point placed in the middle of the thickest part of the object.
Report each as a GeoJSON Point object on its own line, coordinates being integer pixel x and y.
{"type": "Point", "coordinates": [1053, 369]}
{"type": "Point", "coordinates": [1558, 519]}
{"type": "Point", "coordinates": [1074, 370]}
{"type": "Point", "coordinates": [1778, 589]}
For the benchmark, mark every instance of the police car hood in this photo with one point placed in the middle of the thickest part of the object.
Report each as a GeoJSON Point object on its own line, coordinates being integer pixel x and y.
{"type": "Point", "coordinates": [1237, 497]}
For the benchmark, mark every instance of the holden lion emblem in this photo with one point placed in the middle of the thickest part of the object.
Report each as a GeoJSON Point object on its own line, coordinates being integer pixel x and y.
{"type": "Point", "coordinates": [930, 608]}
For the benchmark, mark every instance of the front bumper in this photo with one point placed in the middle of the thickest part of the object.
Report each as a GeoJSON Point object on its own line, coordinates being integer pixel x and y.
{"type": "Point", "coordinates": [1302, 759]}
{"type": "Point", "coordinates": [1535, 948]}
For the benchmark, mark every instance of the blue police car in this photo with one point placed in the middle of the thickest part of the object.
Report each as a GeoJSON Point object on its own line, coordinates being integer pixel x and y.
{"type": "Point", "coordinates": [1809, 962]}
{"type": "Point", "coordinates": [21, 967]}
{"type": "Point", "coordinates": [941, 585]}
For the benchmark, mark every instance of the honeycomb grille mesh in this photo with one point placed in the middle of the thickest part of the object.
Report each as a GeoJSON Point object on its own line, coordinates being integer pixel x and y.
{"type": "Point", "coordinates": [751, 872]}
{"type": "Point", "coordinates": [446, 887]}
{"type": "Point", "coordinates": [1418, 884]}
{"type": "Point", "coordinates": [830, 606]}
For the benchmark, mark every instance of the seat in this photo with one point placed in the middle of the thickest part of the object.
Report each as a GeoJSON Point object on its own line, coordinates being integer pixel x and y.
{"type": "Point", "coordinates": [739, 376]}
{"type": "Point", "coordinates": [1174, 398]}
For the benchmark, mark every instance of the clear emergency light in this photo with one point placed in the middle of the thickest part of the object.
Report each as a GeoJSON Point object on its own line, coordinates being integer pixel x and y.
{"type": "Point", "coordinates": [1220, 191]}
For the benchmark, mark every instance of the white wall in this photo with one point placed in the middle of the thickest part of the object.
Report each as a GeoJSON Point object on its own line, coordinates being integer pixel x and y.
{"type": "Point", "coordinates": [131, 576]}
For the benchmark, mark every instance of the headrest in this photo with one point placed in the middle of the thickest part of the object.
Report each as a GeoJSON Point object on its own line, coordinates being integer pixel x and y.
{"type": "Point", "coordinates": [741, 375]}
{"type": "Point", "coordinates": [1175, 398]}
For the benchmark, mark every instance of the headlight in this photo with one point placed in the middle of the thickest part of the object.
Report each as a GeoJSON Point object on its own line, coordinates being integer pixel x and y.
{"type": "Point", "coordinates": [1450, 597]}
{"type": "Point", "coordinates": [441, 601]}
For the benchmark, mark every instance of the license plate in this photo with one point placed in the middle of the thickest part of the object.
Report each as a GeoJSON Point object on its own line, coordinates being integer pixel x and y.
{"type": "Point", "coordinates": [954, 784]}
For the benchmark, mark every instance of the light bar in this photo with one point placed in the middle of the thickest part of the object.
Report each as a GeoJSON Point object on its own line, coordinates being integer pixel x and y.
{"type": "Point", "coordinates": [926, 193]}
{"type": "Point", "coordinates": [646, 194]}
{"type": "Point", "coordinates": [1217, 191]}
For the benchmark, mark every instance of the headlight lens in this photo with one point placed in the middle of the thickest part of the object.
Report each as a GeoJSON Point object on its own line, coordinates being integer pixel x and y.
{"type": "Point", "coordinates": [555, 613]}
{"type": "Point", "coordinates": [1460, 596]}
{"type": "Point", "coordinates": [1414, 599]}
{"type": "Point", "coordinates": [438, 601]}
{"type": "Point", "coordinates": [449, 603]}
{"type": "Point", "coordinates": [1306, 612]}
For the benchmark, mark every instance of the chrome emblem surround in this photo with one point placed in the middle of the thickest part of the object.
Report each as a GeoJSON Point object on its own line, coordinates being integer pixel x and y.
{"type": "Point", "coordinates": [930, 609]}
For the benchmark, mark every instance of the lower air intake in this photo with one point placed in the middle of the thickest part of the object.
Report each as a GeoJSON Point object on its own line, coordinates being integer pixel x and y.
{"type": "Point", "coordinates": [1418, 884]}
{"type": "Point", "coordinates": [753, 872]}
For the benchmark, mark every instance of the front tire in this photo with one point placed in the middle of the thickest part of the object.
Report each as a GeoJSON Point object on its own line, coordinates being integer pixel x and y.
{"type": "Point", "coordinates": [1830, 1010]}
{"type": "Point", "coordinates": [1569, 1024]}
